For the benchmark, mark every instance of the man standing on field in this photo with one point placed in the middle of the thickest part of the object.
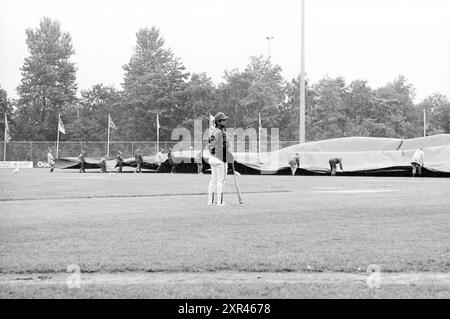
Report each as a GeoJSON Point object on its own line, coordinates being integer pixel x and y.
{"type": "Point", "coordinates": [171, 162]}
{"type": "Point", "coordinates": [159, 160]}
{"type": "Point", "coordinates": [82, 162]}
{"type": "Point", "coordinates": [119, 162]}
{"type": "Point", "coordinates": [139, 161]}
{"type": "Point", "coordinates": [102, 164]}
{"type": "Point", "coordinates": [219, 158]}
{"type": "Point", "coordinates": [199, 161]}
{"type": "Point", "coordinates": [50, 160]}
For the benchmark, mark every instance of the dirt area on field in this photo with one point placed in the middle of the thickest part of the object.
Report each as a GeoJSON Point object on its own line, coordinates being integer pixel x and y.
{"type": "Point", "coordinates": [127, 278]}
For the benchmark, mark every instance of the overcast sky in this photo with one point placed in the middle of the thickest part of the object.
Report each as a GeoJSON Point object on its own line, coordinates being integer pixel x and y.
{"type": "Point", "coordinates": [357, 39]}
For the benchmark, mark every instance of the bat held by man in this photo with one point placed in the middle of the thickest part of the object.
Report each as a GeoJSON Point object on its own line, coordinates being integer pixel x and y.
{"type": "Point", "coordinates": [238, 189]}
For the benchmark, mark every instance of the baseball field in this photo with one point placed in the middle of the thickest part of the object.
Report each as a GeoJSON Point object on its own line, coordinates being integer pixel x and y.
{"type": "Point", "coordinates": [153, 236]}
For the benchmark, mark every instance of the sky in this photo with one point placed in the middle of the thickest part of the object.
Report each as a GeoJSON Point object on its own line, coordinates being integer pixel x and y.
{"type": "Point", "coordinates": [374, 40]}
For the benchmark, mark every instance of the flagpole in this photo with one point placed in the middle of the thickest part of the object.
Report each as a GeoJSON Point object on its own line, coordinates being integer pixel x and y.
{"type": "Point", "coordinates": [424, 123]}
{"type": "Point", "coordinates": [259, 132]}
{"type": "Point", "coordinates": [57, 138]}
{"type": "Point", "coordinates": [109, 121]}
{"type": "Point", "coordinates": [157, 133]}
{"type": "Point", "coordinates": [4, 143]}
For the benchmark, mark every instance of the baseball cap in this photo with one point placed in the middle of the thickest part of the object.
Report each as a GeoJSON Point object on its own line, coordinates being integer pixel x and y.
{"type": "Point", "coordinates": [220, 116]}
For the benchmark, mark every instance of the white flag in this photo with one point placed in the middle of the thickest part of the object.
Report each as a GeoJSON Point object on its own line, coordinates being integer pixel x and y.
{"type": "Point", "coordinates": [211, 123]}
{"type": "Point", "coordinates": [111, 123]}
{"type": "Point", "coordinates": [157, 122]}
{"type": "Point", "coordinates": [7, 135]}
{"type": "Point", "coordinates": [61, 126]}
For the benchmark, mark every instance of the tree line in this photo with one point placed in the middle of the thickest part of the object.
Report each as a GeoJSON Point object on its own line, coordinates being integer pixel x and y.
{"type": "Point", "coordinates": [156, 82]}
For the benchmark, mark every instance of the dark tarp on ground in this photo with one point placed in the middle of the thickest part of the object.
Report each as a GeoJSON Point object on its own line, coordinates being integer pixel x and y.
{"type": "Point", "coordinates": [360, 156]}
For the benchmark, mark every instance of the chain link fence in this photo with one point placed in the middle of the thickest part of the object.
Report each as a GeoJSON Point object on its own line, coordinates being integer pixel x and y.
{"type": "Point", "coordinates": [36, 151]}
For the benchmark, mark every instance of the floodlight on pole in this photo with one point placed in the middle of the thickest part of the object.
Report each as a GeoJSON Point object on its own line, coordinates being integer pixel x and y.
{"type": "Point", "coordinates": [268, 45]}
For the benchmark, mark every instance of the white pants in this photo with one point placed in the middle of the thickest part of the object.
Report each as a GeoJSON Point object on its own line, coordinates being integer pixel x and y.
{"type": "Point", "coordinates": [217, 182]}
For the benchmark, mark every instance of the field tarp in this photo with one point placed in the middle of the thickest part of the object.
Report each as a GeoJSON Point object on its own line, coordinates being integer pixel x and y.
{"type": "Point", "coordinates": [360, 155]}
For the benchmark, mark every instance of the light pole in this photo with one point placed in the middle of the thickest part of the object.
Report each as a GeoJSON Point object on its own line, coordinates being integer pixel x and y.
{"type": "Point", "coordinates": [302, 79]}
{"type": "Point", "coordinates": [268, 45]}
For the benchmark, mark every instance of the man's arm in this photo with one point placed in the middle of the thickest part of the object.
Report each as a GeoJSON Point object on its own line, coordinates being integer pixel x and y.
{"type": "Point", "coordinates": [213, 141]}
{"type": "Point", "coordinates": [229, 158]}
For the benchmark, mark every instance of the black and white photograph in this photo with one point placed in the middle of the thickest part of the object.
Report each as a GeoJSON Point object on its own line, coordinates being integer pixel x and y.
{"type": "Point", "coordinates": [247, 151]}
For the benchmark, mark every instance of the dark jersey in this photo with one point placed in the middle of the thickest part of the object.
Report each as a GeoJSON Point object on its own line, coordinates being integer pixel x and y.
{"type": "Point", "coordinates": [81, 158]}
{"type": "Point", "coordinates": [218, 146]}
{"type": "Point", "coordinates": [335, 161]}
{"type": "Point", "coordinates": [139, 159]}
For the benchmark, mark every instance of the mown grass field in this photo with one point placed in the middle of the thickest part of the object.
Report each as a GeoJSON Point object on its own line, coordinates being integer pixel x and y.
{"type": "Point", "coordinates": [159, 223]}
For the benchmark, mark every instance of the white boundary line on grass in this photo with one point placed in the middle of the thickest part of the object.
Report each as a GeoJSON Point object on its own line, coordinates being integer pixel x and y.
{"type": "Point", "coordinates": [356, 191]}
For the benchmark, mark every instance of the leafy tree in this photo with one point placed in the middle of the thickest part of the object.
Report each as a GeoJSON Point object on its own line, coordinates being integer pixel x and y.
{"type": "Point", "coordinates": [88, 121]}
{"type": "Point", "coordinates": [230, 94]}
{"type": "Point", "coordinates": [288, 111]}
{"type": "Point", "coordinates": [437, 107]}
{"type": "Point", "coordinates": [198, 99]}
{"type": "Point", "coordinates": [358, 107]}
{"type": "Point", "coordinates": [402, 116]}
{"type": "Point", "coordinates": [384, 119]}
{"type": "Point", "coordinates": [154, 82]}
{"type": "Point", "coordinates": [328, 111]}
{"type": "Point", "coordinates": [266, 91]}
{"type": "Point", "coordinates": [260, 88]}
{"type": "Point", "coordinates": [48, 81]}
{"type": "Point", "coordinates": [5, 103]}
{"type": "Point", "coordinates": [5, 108]}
